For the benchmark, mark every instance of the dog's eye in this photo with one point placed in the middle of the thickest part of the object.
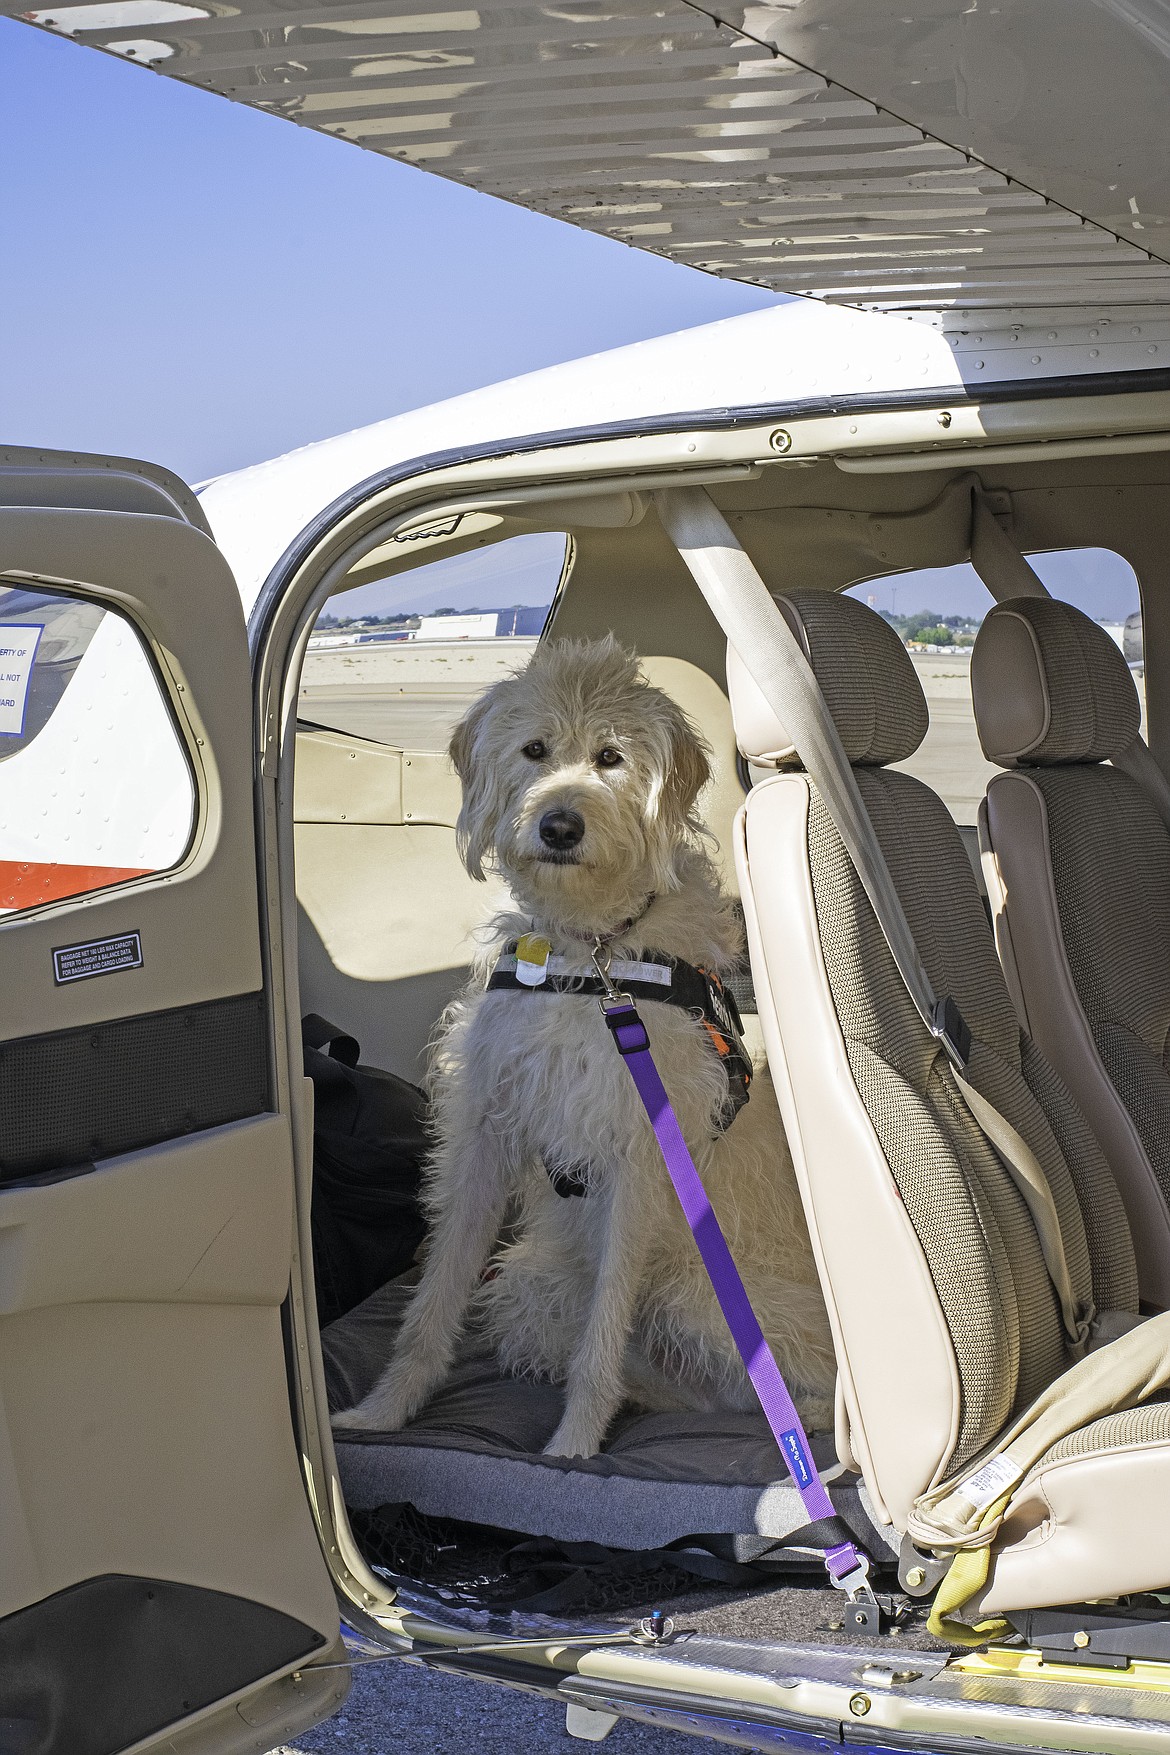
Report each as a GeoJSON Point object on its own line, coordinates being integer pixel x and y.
{"type": "Point", "coordinates": [609, 758]}
{"type": "Point", "coordinates": [535, 751]}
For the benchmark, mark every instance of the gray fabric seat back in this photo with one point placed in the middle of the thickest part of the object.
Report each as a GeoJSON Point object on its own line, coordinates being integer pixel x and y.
{"type": "Point", "coordinates": [986, 1273]}
{"type": "Point", "coordinates": [1079, 865]}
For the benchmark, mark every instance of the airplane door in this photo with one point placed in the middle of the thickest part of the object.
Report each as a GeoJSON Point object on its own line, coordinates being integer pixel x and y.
{"type": "Point", "coordinates": [161, 1582]}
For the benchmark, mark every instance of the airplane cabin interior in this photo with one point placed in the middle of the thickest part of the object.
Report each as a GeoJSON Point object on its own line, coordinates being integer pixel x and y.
{"type": "Point", "coordinates": [1034, 872]}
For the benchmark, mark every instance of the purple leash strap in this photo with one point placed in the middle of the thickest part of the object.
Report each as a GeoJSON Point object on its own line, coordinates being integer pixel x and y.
{"type": "Point", "coordinates": [847, 1567]}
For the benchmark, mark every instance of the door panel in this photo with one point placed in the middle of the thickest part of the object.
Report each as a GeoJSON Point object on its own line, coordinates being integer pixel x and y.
{"type": "Point", "coordinates": [153, 1440]}
{"type": "Point", "coordinates": [173, 1647]}
{"type": "Point", "coordinates": [150, 1483]}
{"type": "Point", "coordinates": [151, 1227]}
{"type": "Point", "coordinates": [71, 1097]}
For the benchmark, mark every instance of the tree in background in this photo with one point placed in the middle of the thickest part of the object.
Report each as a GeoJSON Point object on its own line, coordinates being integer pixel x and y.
{"type": "Point", "coordinates": [930, 628]}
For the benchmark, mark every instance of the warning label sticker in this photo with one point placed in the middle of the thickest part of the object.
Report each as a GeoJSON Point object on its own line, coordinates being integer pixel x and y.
{"type": "Point", "coordinates": [18, 651]}
{"type": "Point", "coordinates": [990, 1482]}
{"type": "Point", "coordinates": [99, 956]}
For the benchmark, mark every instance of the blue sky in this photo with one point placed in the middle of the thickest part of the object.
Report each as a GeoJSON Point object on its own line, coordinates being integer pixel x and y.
{"type": "Point", "coordinates": [196, 283]}
{"type": "Point", "coordinates": [525, 569]}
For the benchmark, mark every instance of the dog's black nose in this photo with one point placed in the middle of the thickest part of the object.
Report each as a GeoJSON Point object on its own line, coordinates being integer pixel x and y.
{"type": "Point", "coordinates": [561, 829]}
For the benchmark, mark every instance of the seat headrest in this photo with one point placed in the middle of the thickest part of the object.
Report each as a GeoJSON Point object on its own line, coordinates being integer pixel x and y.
{"type": "Point", "coordinates": [1050, 686]}
{"type": "Point", "coordinates": [866, 676]}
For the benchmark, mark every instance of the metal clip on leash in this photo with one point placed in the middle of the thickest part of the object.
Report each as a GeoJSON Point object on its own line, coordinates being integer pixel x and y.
{"type": "Point", "coordinates": [602, 957]}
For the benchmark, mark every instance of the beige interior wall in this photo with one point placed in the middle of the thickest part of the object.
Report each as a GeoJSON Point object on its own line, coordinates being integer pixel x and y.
{"type": "Point", "coordinates": [387, 921]}
{"type": "Point", "coordinates": [632, 583]}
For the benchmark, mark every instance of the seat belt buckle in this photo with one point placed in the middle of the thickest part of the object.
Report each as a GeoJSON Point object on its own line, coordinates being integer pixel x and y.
{"type": "Point", "coordinates": [949, 1027]}
{"type": "Point", "coordinates": [862, 1612]}
{"type": "Point", "coordinates": [855, 1581]}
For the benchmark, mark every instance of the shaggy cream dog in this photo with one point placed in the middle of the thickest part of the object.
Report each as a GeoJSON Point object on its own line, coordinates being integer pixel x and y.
{"type": "Point", "coordinates": [579, 786]}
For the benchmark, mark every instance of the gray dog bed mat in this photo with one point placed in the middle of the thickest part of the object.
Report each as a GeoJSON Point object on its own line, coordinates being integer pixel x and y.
{"type": "Point", "coordinates": [474, 1454]}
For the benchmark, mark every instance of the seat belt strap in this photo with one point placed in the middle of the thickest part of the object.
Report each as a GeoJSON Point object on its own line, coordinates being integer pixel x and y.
{"type": "Point", "coordinates": [1026, 1172]}
{"type": "Point", "coordinates": [995, 557]}
{"type": "Point", "coordinates": [743, 607]}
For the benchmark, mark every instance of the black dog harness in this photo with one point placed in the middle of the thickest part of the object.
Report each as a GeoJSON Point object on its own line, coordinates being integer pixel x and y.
{"type": "Point", "coordinates": [664, 981]}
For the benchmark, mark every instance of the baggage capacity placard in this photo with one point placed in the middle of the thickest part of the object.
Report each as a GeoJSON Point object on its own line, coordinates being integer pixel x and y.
{"type": "Point", "coordinates": [18, 652]}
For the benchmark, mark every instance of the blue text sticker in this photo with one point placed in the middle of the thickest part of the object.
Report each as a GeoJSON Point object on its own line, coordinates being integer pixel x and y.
{"type": "Point", "coordinates": [797, 1458]}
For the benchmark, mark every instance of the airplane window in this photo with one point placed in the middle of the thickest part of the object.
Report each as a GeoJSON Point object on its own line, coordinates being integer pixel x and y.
{"type": "Point", "coordinates": [400, 660]}
{"type": "Point", "coordinates": [938, 610]}
{"type": "Point", "coordinates": [95, 787]}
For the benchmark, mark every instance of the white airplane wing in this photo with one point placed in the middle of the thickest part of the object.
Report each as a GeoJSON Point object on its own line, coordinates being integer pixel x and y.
{"type": "Point", "coordinates": [864, 151]}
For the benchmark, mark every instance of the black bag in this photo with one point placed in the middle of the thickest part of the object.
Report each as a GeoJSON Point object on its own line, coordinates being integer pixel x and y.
{"type": "Point", "coordinates": [369, 1143]}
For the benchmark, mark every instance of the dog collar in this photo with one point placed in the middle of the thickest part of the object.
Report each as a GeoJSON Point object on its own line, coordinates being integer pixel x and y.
{"type": "Point", "coordinates": [615, 932]}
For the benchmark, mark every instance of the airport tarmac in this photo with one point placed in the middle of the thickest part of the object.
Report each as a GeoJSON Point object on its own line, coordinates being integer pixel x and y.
{"type": "Point", "coordinates": [409, 695]}
{"type": "Point", "coordinates": [949, 760]}
{"type": "Point", "coordinates": [400, 1709]}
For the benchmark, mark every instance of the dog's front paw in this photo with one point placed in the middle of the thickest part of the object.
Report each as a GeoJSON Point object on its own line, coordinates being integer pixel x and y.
{"type": "Point", "coordinates": [387, 1408]}
{"type": "Point", "coordinates": [574, 1438]}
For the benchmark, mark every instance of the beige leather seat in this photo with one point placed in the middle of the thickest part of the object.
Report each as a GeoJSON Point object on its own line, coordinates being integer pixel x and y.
{"type": "Point", "coordinates": [1078, 868]}
{"type": "Point", "coordinates": [943, 1314]}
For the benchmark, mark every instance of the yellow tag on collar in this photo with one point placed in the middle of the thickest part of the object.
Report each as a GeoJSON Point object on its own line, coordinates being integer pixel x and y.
{"type": "Point", "coordinates": [532, 954]}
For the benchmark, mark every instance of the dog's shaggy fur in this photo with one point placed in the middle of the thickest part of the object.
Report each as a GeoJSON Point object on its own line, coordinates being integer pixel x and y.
{"type": "Point", "coordinates": [606, 1294]}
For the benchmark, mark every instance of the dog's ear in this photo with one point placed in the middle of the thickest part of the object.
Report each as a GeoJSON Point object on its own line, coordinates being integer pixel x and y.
{"type": "Point", "coordinates": [473, 828]}
{"type": "Point", "coordinates": [689, 770]}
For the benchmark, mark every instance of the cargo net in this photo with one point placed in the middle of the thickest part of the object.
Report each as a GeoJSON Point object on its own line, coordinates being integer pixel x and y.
{"type": "Point", "coordinates": [475, 1566]}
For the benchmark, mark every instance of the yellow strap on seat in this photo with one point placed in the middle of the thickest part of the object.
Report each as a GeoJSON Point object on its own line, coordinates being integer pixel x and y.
{"type": "Point", "coordinates": [965, 1578]}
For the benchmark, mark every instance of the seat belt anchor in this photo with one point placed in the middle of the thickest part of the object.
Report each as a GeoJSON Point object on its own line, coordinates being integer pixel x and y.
{"type": "Point", "coordinates": [856, 1583]}
{"type": "Point", "coordinates": [863, 1612]}
{"type": "Point", "coordinates": [950, 1028]}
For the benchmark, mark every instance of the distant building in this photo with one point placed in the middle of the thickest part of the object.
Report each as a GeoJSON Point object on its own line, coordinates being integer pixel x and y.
{"type": "Point", "coordinates": [458, 627]}
{"type": "Point", "coordinates": [525, 620]}
{"type": "Point", "coordinates": [356, 636]}
{"type": "Point", "coordinates": [521, 621]}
